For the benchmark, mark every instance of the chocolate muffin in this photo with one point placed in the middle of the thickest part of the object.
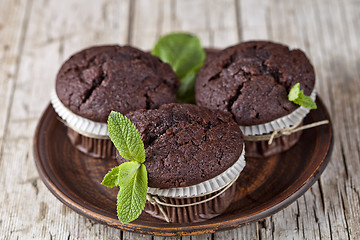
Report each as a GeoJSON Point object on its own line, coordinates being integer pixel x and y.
{"type": "Point", "coordinates": [100, 79]}
{"type": "Point", "coordinates": [97, 80]}
{"type": "Point", "coordinates": [251, 81]}
{"type": "Point", "coordinates": [187, 145]}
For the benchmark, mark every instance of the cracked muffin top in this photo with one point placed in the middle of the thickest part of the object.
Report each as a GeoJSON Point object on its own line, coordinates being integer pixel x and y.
{"type": "Point", "coordinates": [251, 81]}
{"type": "Point", "coordinates": [99, 79]}
{"type": "Point", "coordinates": [186, 144]}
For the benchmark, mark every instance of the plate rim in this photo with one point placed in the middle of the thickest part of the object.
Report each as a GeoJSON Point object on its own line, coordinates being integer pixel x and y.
{"type": "Point", "coordinates": [182, 230]}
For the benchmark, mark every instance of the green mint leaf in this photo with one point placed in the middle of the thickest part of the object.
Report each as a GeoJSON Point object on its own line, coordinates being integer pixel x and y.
{"type": "Point", "coordinates": [294, 92]}
{"type": "Point", "coordinates": [131, 177]}
{"type": "Point", "coordinates": [126, 137]}
{"type": "Point", "coordinates": [111, 179]}
{"type": "Point", "coordinates": [118, 176]}
{"type": "Point", "coordinates": [126, 172]}
{"type": "Point", "coordinates": [132, 195]}
{"type": "Point", "coordinates": [297, 96]}
{"type": "Point", "coordinates": [306, 101]}
{"type": "Point", "coordinates": [184, 53]}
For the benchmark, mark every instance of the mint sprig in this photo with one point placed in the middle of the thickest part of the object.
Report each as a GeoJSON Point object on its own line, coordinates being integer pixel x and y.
{"type": "Point", "coordinates": [184, 53]}
{"type": "Point", "coordinates": [131, 176]}
{"type": "Point", "coordinates": [297, 96]}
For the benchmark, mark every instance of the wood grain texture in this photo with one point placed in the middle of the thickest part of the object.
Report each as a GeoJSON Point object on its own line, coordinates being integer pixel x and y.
{"type": "Point", "coordinates": [13, 24]}
{"type": "Point", "coordinates": [37, 36]}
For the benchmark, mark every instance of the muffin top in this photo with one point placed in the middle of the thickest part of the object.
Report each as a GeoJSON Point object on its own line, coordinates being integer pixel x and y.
{"type": "Point", "coordinates": [252, 80]}
{"type": "Point", "coordinates": [186, 144]}
{"type": "Point", "coordinates": [99, 79]}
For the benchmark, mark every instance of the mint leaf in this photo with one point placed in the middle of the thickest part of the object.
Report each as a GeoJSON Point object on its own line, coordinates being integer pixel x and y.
{"type": "Point", "coordinates": [132, 195]}
{"type": "Point", "coordinates": [118, 176]}
{"type": "Point", "coordinates": [294, 92]}
{"type": "Point", "coordinates": [306, 101]}
{"type": "Point", "coordinates": [126, 171]}
{"type": "Point", "coordinates": [184, 53]}
{"type": "Point", "coordinates": [126, 137]}
{"type": "Point", "coordinates": [111, 179]}
{"type": "Point", "coordinates": [297, 96]}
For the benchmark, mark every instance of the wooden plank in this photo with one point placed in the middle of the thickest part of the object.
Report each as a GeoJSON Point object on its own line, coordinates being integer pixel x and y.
{"type": "Point", "coordinates": [213, 21]}
{"type": "Point", "coordinates": [344, 82]}
{"type": "Point", "coordinates": [13, 17]}
{"type": "Point", "coordinates": [132, 236]}
{"type": "Point", "coordinates": [165, 16]}
{"type": "Point", "coordinates": [253, 15]}
{"type": "Point", "coordinates": [243, 233]}
{"type": "Point", "coordinates": [146, 16]}
{"type": "Point", "coordinates": [202, 237]}
{"type": "Point", "coordinates": [342, 79]}
{"type": "Point", "coordinates": [31, 211]}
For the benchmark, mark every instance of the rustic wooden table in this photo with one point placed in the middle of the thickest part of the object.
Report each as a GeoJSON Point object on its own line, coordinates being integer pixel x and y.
{"type": "Point", "coordinates": [37, 36]}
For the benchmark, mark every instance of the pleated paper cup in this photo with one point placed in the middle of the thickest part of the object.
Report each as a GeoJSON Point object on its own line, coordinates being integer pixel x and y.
{"type": "Point", "coordinates": [222, 186]}
{"type": "Point", "coordinates": [87, 136]}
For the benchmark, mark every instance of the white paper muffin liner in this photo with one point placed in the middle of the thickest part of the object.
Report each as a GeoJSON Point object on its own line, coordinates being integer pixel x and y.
{"type": "Point", "coordinates": [79, 124]}
{"type": "Point", "coordinates": [283, 122]}
{"type": "Point", "coordinates": [206, 187]}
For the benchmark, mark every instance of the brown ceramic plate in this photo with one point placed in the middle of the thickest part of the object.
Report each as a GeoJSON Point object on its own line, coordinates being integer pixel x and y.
{"type": "Point", "coordinates": [264, 187]}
